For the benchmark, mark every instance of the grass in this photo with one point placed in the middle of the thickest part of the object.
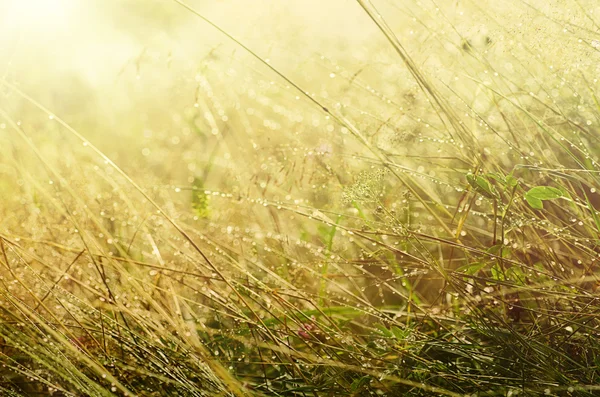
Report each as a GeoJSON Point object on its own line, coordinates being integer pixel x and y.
{"type": "Point", "coordinates": [408, 211]}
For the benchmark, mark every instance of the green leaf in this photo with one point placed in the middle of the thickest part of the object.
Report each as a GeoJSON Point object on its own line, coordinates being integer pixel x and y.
{"type": "Point", "coordinates": [534, 203]}
{"type": "Point", "coordinates": [511, 181]}
{"type": "Point", "coordinates": [495, 176]}
{"type": "Point", "coordinates": [497, 273]}
{"type": "Point", "coordinates": [516, 275]}
{"type": "Point", "coordinates": [386, 332]}
{"type": "Point", "coordinates": [544, 193]}
{"type": "Point", "coordinates": [472, 268]}
{"type": "Point", "coordinates": [200, 200]}
{"type": "Point", "coordinates": [536, 195]}
{"type": "Point", "coordinates": [481, 185]}
{"type": "Point", "coordinates": [400, 333]}
{"type": "Point", "coordinates": [495, 249]}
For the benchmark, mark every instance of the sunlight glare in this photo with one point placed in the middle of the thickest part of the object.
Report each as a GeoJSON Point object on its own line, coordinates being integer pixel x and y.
{"type": "Point", "coordinates": [38, 15]}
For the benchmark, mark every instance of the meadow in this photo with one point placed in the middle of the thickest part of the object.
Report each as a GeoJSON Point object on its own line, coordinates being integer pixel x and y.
{"type": "Point", "coordinates": [299, 198]}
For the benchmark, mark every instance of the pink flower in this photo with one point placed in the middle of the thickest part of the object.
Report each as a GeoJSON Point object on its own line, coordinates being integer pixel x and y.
{"type": "Point", "coordinates": [306, 328]}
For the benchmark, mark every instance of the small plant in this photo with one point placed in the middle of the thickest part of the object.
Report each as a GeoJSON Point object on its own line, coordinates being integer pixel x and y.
{"type": "Point", "coordinates": [536, 195]}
